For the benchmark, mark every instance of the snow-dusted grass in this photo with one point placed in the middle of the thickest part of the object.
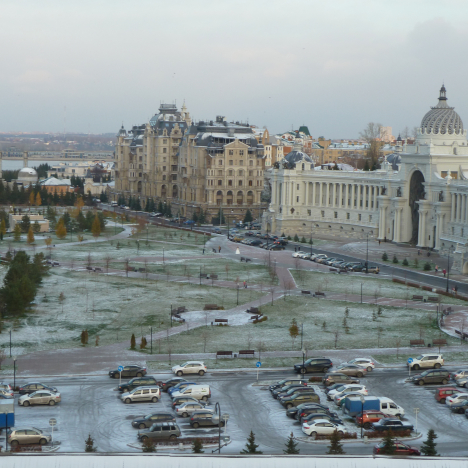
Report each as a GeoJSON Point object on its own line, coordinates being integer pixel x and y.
{"type": "Point", "coordinates": [372, 285]}
{"type": "Point", "coordinates": [321, 318]}
{"type": "Point", "coordinates": [450, 357]}
{"type": "Point", "coordinates": [110, 307]}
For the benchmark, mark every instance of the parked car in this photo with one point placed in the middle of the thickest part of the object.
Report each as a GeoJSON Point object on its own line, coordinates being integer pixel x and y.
{"type": "Point", "coordinates": [459, 406]}
{"type": "Point", "coordinates": [368, 364]}
{"type": "Point", "coordinates": [6, 393]}
{"type": "Point", "coordinates": [462, 382]}
{"type": "Point", "coordinates": [180, 386]}
{"type": "Point", "coordinates": [395, 425]}
{"type": "Point", "coordinates": [425, 361]}
{"type": "Point", "coordinates": [188, 408]}
{"type": "Point", "coordinates": [128, 371]}
{"type": "Point", "coordinates": [332, 387]}
{"type": "Point", "coordinates": [314, 416]}
{"type": "Point", "coordinates": [184, 399]}
{"type": "Point", "coordinates": [349, 369]}
{"type": "Point", "coordinates": [304, 413]}
{"type": "Point", "coordinates": [295, 410]}
{"type": "Point", "coordinates": [458, 374]}
{"type": "Point", "coordinates": [146, 381]}
{"type": "Point", "coordinates": [161, 430]}
{"type": "Point", "coordinates": [286, 388]}
{"type": "Point", "coordinates": [276, 247]}
{"type": "Point", "coordinates": [205, 419]}
{"type": "Point", "coordinates": [141, 394]}
{"type": "Point", "coordinates": [435, 376]}
{"type": "Point", "coordinates": [34, 387]}
{"type": "Point", "coordinates": [322, 427]}
{"type": "Point", "coordinates": [41, 397]}
{"type": "Point", "coordinates": [296, 400]}
{"type": "Point", "coordinates": [339, 399]}
{"type": "Point", "coordinates": [150, 419]}
{"type": "Point", "coordinates": [26, 436]}
{"type": "Point", "coordinates": [456, 398]}
{"type": "Point", "coordinates": [298, 254]}
{"type": "Point", "coordinates": [5, 386]}
{"type": "Point", "coordinates": [442, 393]}
{"type": "Point", "coordinates": [359, 388]}
{"type": "Point", "coordinates": [295, 391]}
{"type": "Point", "coordinates": [190, 367]}
{"type": "Point", "coordinates": [171, 383]}
{"type": "Point", "coordinates": [217, 230]}
{"type": "Point", "coordinates": [400, 449]}
{"type": "Point", "coordinates": [284, 382]}
{"type": "Point", "coordinates": [369, 417]}
{"type": "Point", "coordinates": [330, 379]}
{"type": "Point", "coordinates": [320, 258]}
{"type": "Point", "coordinates": [200, 392]}
{"type": "Point", "coordinates": [321, 364]}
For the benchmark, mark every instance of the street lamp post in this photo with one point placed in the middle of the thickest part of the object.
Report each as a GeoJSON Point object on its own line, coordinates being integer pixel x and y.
{"type": "Point", "coordinates": [10, 342]}
{"type": "Point", "coordinates": [151, 331]}
{"type": "Point", "coordinates": [363, 400]}
{"type": "Point", "coordinates": [311, 227]}
{"type": "Point", "coordinates": [218, 410]}
{"type": "Point", "coordinates": [367, 253]}
{"type": "Point", "coordinates": [14, 373]}
{"type": "Point", "coordinates": [171, 314]}
{"type": "Point", "coordinates": [237, 294]}
{"type": "Point", "coordinates": [448, 271]}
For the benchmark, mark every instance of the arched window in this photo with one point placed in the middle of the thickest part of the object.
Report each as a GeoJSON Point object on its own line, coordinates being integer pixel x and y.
{"type": "Point", "coordinates": [250, 197]}
{"type": "Point", "coordinates": [219, 197]}
{"type": "Point", "coordinates": [240, 197]}
{"type": "Point", "coordinates": [163, 191]}
{"type": "Point", "coordinates": [229, 197]}
{"type": "Point", "coordinates": [241, 172]}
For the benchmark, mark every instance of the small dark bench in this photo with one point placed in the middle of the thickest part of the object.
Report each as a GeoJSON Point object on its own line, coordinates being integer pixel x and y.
{"type": "Point", "coordinates": [463, 335]}
{"type": "Point", "coordinates": [333, 269]}
{"type": "Point", "coordinates": [320, 294]}
{"type": "Point", "coordinates": [203, 275]}
{"type": "Point", "coordinates": [418, 298]}
{"type": "Point", "coordinates": [245, 259]}
{"type": "Point", "coordinates": [247, 352]}
{"type": "Point", "coordinates": [213, 277]}
{"type": "Point", "coordinates": [89, 268]}
{"type": "Point", "coordinates": [417, 343]}
{"type": "Point", "coordinates": [223, 353]}
{"type": "Point", "coordinates": [439, 342]}
{"type": "Point", "coordinates": [433, 299]}
{"type": "Point", "coordinates": [253, 310]}
{"type": "Point", "coordinates": [305, 292]}
{"type": "Point", "coordinates": [255, 317]}
{"type": "Point", "coordinates": [221, 320]}
{"type": "Point", "coordinates": [211, 307]}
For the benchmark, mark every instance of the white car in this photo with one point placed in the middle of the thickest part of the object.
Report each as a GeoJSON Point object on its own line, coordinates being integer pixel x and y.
{"type": "Point", "coordinates": [322, 427]}
{"type": "Point", "coordinates": [339, 398]}
{"type": "Point", "coordinates": [368, 364]}
{"type": "Point", "coordinates": [456, 398]}
{"type": "Point", "coordinates": [138, 394]}
{"type": "Point", "coordinates": [347, 388]}
{"type": "Point", "coordinates": [298, 254]}
{"type": "Point", "coordinates": [187, 409]}
{"type": "Point", "coordinates": [41, 397]}
{"type": "Point", "coordinates": [425, 361]}
{"type": "Point", "coordinates": [190, 367]}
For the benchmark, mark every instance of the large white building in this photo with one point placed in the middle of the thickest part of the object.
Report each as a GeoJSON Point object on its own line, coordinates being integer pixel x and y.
{"type": "Point", "coordinates": [420, 195]}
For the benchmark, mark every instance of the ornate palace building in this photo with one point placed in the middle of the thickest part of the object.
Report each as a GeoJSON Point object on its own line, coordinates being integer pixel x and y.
{"type": "Point", "coordinates": [193, 166]}
{"type": "Point", "coordinates": [419, 196]}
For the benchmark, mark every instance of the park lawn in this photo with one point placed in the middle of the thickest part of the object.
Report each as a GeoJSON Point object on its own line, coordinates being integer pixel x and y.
{"type": "Point", "coordinates": [389, 359]}
{"type": "Point", "coordinates": [372, 285]}
{"type": "Point", "coordinates": [321, 319]}
{"type": "Point", "coordinates": [110, 307]}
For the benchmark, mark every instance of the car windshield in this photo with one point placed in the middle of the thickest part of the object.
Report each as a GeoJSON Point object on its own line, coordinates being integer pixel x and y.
{"type": "Point", "coordinates": [425, 373]}
{"type": "Point", "coordinates": [184, 364]}
{"type": "Point", "coordinates": [340, 388]}
{"type": "Point", "coordinates": [38, 430]}
{"type": "Point", "coordinates": [419, 357]}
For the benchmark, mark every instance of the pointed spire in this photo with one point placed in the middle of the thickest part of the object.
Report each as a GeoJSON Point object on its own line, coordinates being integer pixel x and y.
{"type": "Point", "coordinates": [443, 91]}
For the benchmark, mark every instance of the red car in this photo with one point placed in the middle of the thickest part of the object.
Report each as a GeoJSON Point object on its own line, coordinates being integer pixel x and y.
{"type": "Point", "coordinates": [401, 449]}
{"type": "Point", "coordinates": [442, 393]}
{"type": "Point", "coordinates": [369, 417]}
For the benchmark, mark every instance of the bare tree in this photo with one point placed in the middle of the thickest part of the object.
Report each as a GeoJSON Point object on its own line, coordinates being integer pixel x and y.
{"type": "Point", "coordinates": [145, 261]}
{"type": "Point", "coordinates": [293, 331]}
{"type": "Point", "coordinates": [107, 261]}
{"type": "Point", "coordinates": [2, 356]}
{"type": "Point", "coordinates": [204, 336]}
{"type": "Point", "coordinates": [89, 260]}
{"type": "Point", "coordinates": [372, 136]}
{"type": "Point", "coordinates": [336, 335]}
{"type": "Point", "coordinates": [126, 263]}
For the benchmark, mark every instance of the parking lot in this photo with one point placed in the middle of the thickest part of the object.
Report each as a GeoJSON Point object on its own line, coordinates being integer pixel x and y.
{"type": "Point", "coordinates": [91, 405]}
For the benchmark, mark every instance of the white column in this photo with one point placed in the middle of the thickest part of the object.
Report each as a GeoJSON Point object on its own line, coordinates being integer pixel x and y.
{"type": "Point", "coordinates": [458, 207]}
{"type": "Point", "coordinates": [353, 192]}
{"type": "Point", "coordinates": [313, 193]}
{"type": "Point", "coordinates": [321, 193]}
{"type": "Point", "coordinates": [333, 194]}
{"type": "Point", "coordinates": [346, 196]}
{"type": "Point", "coordinates": [452, 217]}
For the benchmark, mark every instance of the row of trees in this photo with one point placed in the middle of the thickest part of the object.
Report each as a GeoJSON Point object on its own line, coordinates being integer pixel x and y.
{"type": "Point", "coordinates": [21, 282]}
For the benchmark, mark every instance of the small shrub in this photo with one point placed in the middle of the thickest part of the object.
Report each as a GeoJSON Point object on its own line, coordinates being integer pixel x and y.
{"type": "Point", "coordinates": [132, 342]}
{"type": "Point", "coordinates": [303, 241]}
{"type": "Point", "coordinates": [395, 259]}
{"type": "Point", "coordinates": [405, 262]}
{"type": "Point", "coordinates": [324, 325]}
{"type": "Point", "coordinates": [427, 266]}
{"type": "Point", "coordinates": [296, 238]}
{"type": "Point", "coordinates": [416, 263]}
{"type": "Point", "coordinates": [384, 256]}
{"type": "Point", "coordinates": [289, 238]}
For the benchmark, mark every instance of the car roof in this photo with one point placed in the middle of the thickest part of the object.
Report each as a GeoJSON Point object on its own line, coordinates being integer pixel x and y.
{"type": "Point", "coordinates": [321, 420]}
{"type": "Point", "coordinates": [141, 387]}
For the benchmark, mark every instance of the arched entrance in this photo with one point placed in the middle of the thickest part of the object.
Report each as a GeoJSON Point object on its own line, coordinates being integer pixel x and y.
{"type": "Point", "coordinates": [465, 268]}
{"type": "Point", "coordinates": [416, 193]}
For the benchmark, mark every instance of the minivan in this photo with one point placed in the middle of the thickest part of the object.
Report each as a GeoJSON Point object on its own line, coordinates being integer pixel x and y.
{"type": "Point", "coordinates": [434, 376]}
{"type": "Point", "coordinates": [142, 394]}
{"type": "Point", "coordinates": [200, 392]}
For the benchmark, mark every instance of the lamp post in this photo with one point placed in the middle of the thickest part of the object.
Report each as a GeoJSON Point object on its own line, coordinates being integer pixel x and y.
{"type": "Point", "coordinates": [311, 227]}
{"type": "Point", "coordinates": [237, 294]}
{"type": "Point", "coordinates": [151, 331]}
{"type": "Point", "coordinates": [171, 314]}
{"type": "Point", "coordinates": [367, 253]}
{"type": "Point", "coordinates": [363, 400]}
{"type": "Point", "coordinates": [448, 271]}
{"type": "Point", "coordinates": [14, 373]}
{"type": "Point", "coordinates": [218, 410]}
{"type": "Point", "coordinates": [10, 342]}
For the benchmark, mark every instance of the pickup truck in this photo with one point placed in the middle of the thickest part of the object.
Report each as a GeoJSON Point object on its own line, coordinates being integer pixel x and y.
{"type": "Point", "coordinates": [394, 424]}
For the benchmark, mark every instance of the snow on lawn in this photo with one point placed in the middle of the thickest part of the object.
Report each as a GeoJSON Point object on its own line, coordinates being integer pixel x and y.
{"type": "Point", "coordinates": [110, 307]}
{"type": "Point", "coordinates": [372, 285]}
{"type": "Point", "coordinates": [322, 319]}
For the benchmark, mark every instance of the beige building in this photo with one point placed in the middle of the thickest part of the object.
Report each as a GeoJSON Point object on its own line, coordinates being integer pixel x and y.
{"type": "Point", "coordinates": [43, 223]}
{"type": "Point", "coordinates": [203, 166]}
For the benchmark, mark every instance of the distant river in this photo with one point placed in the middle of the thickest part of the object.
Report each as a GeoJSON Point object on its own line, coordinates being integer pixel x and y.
{"type": "Point", "coordinates": [18, 164]}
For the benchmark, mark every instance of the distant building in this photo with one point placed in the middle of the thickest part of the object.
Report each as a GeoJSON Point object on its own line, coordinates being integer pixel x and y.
{"type": "Point", "coordinates": [96, 188]}
{"type": "Point", "coordinates": [59, 186]}
{"type": "Point", "coordinates": [15, 219]}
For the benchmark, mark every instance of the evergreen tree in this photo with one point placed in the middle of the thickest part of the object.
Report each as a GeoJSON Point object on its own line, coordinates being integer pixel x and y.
{"type": "Point", "coordinates": [197, 446]}
{"type": "Point", "coordinates": [81, 220]}
{"type": "Point", "coordinates": [61, 230]}
{"type": "Point", "coordinates": [296, 238]}
{"type": "Point", "coordinates": [89, 444]}
{"type": "Point", "coordinates": [36, 227]}
{"type": "Point", "coordinates": [17, 232]}
{"type": "Point", "coordinates": [103, 197]}
{"type": "Point", "coordinates": [30, 238]}
{"type": "Point", "coordinates": [291, 446]}
{"type": "Point", "coordinates": [335, 447]}
{"type": "Point", "coordinates": [384, 256]}
{"type": "Point", "coordinates": [366, 166]}
{"type": "Point", "coordinates": [96, 228]}
{"type": "Point", "coordinates": [137, 204]}
{"type": "Point", "coordinates": [132, 342]}
{"type": "Point", "coordinates": [148, 445]}
{"type": "Point", "coordinates": [195, 217]}
{"type": "Point", "coordinates": [248, 218]}
{"type": "Point", "coordinates": [201, 217]}
{"type": "Point", "coordinates": [25, 223]}
{"type": "Point", "coordinates": [429, 446]}
{"type": "Point", "coordinates": [389, 447]}
{"type": "Point", "coordinates": [169, 211]}
{"type": "Point", "coordinates": [251, 446]}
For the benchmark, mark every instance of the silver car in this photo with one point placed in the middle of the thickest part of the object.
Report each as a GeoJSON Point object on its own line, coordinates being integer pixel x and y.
{"type": "Point", "coordinates": [187, 409]}
{"type": "Point", "coordinates": [26, 436]}
{"type": "Point", "coordinates": [42, 397]}
{"type": "Point", "coordinates": [142, 394]}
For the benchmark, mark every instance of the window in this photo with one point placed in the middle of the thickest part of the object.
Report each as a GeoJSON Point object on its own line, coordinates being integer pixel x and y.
{"type": "Point", "coordinates": [323, 214]}
{"type": "Point", "coordinates": [309, 212]}
{"type": "Point", "coordinates": [251, 163]}
{"type": "Point", "coordinates": [297, 186]}
{"type": "Point", "coordinates": [230, 183]}
{"type": "Point", "coordinates": [164, 168]}
{"type": "Point", "coordinates": [241, 162]}
{"type": "Point", "coordinates": [240, 183]}
{"type": "Point", "coordinates": [231, 162]}
{"type": "Point", "coordinates": [220, 172]}
{"type": "Point", "coordinates": [241, 152]}
{"type": "Point", "coordinates": [220, 162]}
{"type": "Point", "coordinates": [241, 172]}
{"type": "Point", "coordinates": [164, 150]}
{"type": "Point", "coordinates": [297, 199]}
{"type": "Point", "coordinates": [359, 217]}
{"type": "Point", "coordinates": [347, 215]}
{"type": "Point", "coordinates": [335, 214]}
{"type": "Point", "coordinates": [220, 182]}
{"type": "Point", "coordinates": [251, 184]}
{"type": "Point", "coordinates": [370, 218]}
{"type": "Point", "coordinates": [164, 159]}
{"type": "Point", "coordinates": [251, 173]}
{"type": "Point", "coordinates": [231, 152]}
{"type": "Point", "coordinates": [164, 141]}
{"type": "Point", "coordinates": [230, 172]}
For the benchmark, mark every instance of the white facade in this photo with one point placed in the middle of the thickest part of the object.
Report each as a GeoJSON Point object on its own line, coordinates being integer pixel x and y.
{"type": "Point", "coordinates": [420, 196]}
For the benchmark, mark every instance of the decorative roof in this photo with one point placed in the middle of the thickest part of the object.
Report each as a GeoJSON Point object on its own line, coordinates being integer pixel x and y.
{"type": "Point", "coordinates": [442, 119]}
{"type": "Point", "coordinates": [295, 156]}
{"type": "Point", "coordinates": [27, 173]}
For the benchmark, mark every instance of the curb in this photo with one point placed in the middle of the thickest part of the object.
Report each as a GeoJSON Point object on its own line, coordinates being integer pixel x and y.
{"type": "Point", "coordinates": [308, 440]}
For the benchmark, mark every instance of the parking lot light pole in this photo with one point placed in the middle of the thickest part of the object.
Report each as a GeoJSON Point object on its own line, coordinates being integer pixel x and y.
{"type": "Point", "coordinates": [10, 342]}
{"type": "Point", "coordinates": [363, 400]}
{"type": "Point", "coordinates": [171, 314]}
{"type": "Point", "coordinates": [14, 373]}
{"type": "Point", "coordinates": [367, 253]}
{"type": "Point", "coordinates": [151, 331]}
{"type": "Point", "coordinates": [237, 294]}
{"type": "Point", "coordinates": [311, 240]}
{"type": "Point", "coordinates": [218, 410]}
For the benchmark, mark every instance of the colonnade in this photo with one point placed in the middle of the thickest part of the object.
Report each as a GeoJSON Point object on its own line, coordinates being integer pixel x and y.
{"type": "Point", "coordinates": [459, 208]}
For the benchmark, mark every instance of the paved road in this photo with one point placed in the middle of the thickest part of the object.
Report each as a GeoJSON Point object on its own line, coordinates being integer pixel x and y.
{"type": "Point", "coordinates": [90, 405]}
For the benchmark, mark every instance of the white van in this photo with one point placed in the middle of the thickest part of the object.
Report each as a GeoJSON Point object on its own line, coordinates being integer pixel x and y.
{"type": "Point", "coordinates": [388, 406]}
{"type": "Point", "coordinates": [200, 392]}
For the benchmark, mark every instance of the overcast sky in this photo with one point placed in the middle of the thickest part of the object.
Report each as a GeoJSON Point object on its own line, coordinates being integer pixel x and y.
{"type": "Point", "coordinates": [332, 65]}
